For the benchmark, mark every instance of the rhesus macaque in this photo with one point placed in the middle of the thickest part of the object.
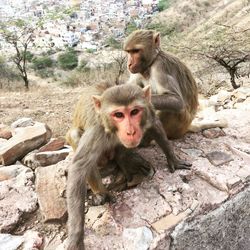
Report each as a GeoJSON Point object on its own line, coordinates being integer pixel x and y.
{"type": "Point", "coordinates": [174, 90]}
{"type": "Point", "coordinates": [107, 119]}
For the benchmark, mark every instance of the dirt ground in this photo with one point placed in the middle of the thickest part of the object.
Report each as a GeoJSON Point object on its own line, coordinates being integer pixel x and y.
{"type": "Point", "coordinates": [48, 103]}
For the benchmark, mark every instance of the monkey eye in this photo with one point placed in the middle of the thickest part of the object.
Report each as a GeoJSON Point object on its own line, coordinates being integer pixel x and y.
{"type": "Point", "coordinates": [134, 51]}
{"type": "Point", "coordinates": [118, 115]}
{"type": "Point", "coordinates": [134, 112]}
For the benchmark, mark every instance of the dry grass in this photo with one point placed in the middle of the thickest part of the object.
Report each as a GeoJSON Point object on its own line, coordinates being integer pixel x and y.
{"type": "Point", "coordinates": [52, 105]}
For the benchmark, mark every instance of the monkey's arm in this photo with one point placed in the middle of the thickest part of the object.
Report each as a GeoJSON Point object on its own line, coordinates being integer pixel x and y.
{"type": "Point", "coordinates": [85, 159]}
{"type": "Point", "coordinates": [170, 98]}
{"type": "Point", "coordinates": [167, 102]}
{"type": "Point", "coordinates": [158, 134]}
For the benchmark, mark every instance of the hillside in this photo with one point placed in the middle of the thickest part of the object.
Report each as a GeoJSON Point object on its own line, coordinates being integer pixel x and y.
{"type": "Point", "coordinates": [191, 28]}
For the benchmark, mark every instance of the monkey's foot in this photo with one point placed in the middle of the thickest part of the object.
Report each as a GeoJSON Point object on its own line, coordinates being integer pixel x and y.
{"type": "Point", "coordinates": [100, 199]}
{"type": "Point", "coordinates": [178, 164]}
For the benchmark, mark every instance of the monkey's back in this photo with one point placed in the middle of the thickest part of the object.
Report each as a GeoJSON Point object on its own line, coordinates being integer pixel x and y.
{"type": "Point", "coordinates": [174, 66]}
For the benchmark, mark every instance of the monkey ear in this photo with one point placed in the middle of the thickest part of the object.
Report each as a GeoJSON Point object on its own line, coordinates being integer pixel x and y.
{"type": "Point", "coordinates": [147, 93]}
{"type": "Point", "coordinates": [97, 102]}
{"type": "Point", "coordinates": [157, 39]}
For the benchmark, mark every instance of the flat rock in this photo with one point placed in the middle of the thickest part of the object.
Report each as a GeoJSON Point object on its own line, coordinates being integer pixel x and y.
{"type": "Point", "coordinates": [23, 141]}
{"type": "Point", "coordinates": [17, 196]}
{"type": "Point", "coordinates": [5, 134]}
{"type": "Point", "coordinates": [45, 158]}
{"type": "Point", "coordinates": [22, 122]}
{"type": "Point", "coordinates": [53, 145]}
{"type": "Point", "coordinates": [218, 158]}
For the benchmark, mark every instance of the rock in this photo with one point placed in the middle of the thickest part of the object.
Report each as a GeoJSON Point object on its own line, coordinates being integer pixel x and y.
{"type": "Point", "coordinates": [218, 158]}
{"type": "Point", "coordinates": [50, 188]}
{"type": "Point", "coordinates": [22, 122]}
{"type": "Point", "coordinates": [10, 242]}
{"type": "Point", "coordinates": [206, 123]}
{"type": "Point", "coordinates": [223, 97]}
{"type": "Point", "coordinates": [32, 240]}
{"type": "Point", "coordinates": [2, 142]}
{"type": "Point", "coordinates": [94, 213]}
{"type": "Point", "coordinates": [160, 242]}
{"type": "Point", "coordinates": [227, 227]}
{"type": "Point", "coordinates": [170, 221]}
{"type": "Point", "coordinates": [17, 196]}
{"type": "Point", "coordinates": [53, 243]}
{"type": "Point", "coordinates": [137, 238]}
{"type": "Point", "coordinates": [219, 178]}
{"type": "Point", "coordinates": [131, 211]}
{"type": "Point", "coordinates": [24, 141]}
{"type": "Point", "coordinates": [213, 133]}
{"type": "Point", "coordinates": [29, 241]}
{"type": "Point", "coordinates": [46, 158]}
{"type": "Point", "coordinates": [53, 145]}
{"type": "Point", "coordinates": [5, 134]}
{"type": "Point", "coordinates": [192, 151]}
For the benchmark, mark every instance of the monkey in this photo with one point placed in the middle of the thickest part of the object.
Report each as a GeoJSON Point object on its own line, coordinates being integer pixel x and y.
{"type": "Point", "coordinates": [174, 90]}
{"type": "Point", "coordinates": [111, 119]}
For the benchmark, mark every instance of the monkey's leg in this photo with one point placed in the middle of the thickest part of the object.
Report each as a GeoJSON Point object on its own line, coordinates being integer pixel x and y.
{"type": "Point", "coordinates": [101, 194]}
{"type": "Point", "coordinates": [131, 163]}
{"type": "Point", "coordinates": [73, 137]}
{"type": "Point", "coordinates": [76, 192]}
{"type": "Point", "coordinates": [158, 134]}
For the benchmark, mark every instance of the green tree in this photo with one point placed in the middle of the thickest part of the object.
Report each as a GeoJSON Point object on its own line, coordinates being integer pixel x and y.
{"type": "Point", "coordinates": [18, 34]}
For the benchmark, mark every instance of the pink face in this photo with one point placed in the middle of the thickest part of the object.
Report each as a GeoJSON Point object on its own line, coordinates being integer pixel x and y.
{"type": "Point", "coordinates": [127, 121]}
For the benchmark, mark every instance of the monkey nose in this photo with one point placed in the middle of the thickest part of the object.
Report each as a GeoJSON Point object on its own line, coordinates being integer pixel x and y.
{"type": "Point", "coordinates": [131, 133]}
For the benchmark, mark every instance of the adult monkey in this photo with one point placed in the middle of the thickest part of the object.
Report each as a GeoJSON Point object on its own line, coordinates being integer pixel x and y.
{"type": "Point", "coordinates": [108, 118]}
{"type": "Point", "coordinates": [174, 90]}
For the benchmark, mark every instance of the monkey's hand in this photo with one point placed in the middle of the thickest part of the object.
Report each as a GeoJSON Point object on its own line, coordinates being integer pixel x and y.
{"type": "Point", "coordinates": [174, 164]}
{"type": "Point", "coordinates": [101, 198]}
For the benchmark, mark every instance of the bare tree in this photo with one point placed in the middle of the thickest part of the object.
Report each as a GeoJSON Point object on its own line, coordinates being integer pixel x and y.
{"type": "Point", "coordinates": [19, 35]}
{"type": "Point", "coordinates": [120, 61]}
{"type": "Point", "coordinates": [229, 47]}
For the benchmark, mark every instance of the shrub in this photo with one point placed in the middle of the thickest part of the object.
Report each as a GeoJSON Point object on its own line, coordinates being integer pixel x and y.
{"type": "Point", "coordinates": [29, 56]}
{"type": "Point", "coordinates": [165, 29]}
{"type": "Point", "coordinates": [82, 66]}
{"type": "Point", "coordinates": [113, 43]}
{"type": "Point", "coordinates": [68, 60]}
{"type": "Point", "coordinates": [163, 4]}
{"type": "Point", "coordinates": [131, 27]}
{"type": "Point", "coordinates": [42, 62]}
{"type": "Point", "coordinates": [45, 72]}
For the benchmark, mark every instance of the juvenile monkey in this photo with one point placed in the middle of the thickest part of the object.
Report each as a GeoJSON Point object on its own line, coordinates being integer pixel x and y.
{"type": "Point", "coordinates": [174, 90]}
{"type": "Point", "coordinates": [108, 118]}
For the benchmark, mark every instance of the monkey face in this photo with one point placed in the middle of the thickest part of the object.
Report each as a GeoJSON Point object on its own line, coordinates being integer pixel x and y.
{"type": "Point", "coordinates": [127, 120]}
{"type": "Point", "coordinates": [134, 60]}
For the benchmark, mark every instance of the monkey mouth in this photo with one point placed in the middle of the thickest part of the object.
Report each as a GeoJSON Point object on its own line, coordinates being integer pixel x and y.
{"type": "Point", "coordinates": [133, 70]}
{"type": "Point", "coordinates": [131, 144]}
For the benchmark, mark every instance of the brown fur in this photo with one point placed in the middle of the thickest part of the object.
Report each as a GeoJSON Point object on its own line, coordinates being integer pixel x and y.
{"type": "Point", "coordinates": [94, 137]}
{"type": "Point", "coordinates": [169, 78]}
